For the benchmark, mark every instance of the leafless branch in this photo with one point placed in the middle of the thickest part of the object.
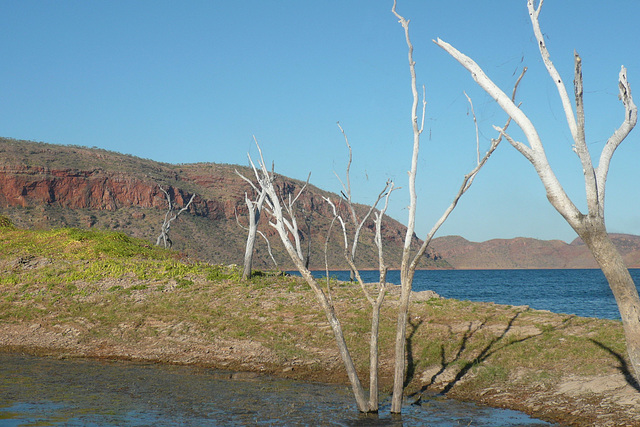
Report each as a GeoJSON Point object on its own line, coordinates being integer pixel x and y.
{"type": "Point", "coordinates": [629, 122]}
{"type": "Point", "coordinates": [475, 122]}
{"type": "Point", "coordinates": [168, 219]}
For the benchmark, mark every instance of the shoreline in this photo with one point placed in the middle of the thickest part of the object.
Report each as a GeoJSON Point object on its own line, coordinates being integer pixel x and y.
{"type": "Point", "coordinates": [599, 400]}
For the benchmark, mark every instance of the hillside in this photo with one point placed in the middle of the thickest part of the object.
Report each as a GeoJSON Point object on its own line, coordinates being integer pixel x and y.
{"type": "Point", "coordinates": [529, 253]}
{"type": "Point", "coordinates": [45, 186]}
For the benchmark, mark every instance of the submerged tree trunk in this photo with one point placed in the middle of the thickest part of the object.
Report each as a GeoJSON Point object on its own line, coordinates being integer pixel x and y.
{"type": "Point", "coordinates": [409, 261]}
{"type": "Point", "coordinates": [373, 357]}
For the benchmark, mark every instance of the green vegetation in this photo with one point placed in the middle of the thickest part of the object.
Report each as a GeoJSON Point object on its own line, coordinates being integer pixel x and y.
{"type": "Point", "coordinates": [5, 222]}
{"type": "Point", "coordinates": [118, 290]}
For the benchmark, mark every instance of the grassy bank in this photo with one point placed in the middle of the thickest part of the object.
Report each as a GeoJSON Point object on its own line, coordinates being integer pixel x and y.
{"type": "Point", "coordinates": [79, 293]}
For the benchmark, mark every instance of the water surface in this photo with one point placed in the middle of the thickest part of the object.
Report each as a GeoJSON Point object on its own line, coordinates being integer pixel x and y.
{"type": "Point", "coordinates": [583, 292]}
{"type": "Point", "coordinates": [38, 391]}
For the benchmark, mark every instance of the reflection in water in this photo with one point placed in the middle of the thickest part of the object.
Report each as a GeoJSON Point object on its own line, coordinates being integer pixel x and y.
{"type": "Point", "coordinates": [43, 391]}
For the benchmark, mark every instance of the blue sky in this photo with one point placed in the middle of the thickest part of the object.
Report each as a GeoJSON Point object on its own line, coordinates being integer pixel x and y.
{"type": "Point", "coordinates": [192, 81]}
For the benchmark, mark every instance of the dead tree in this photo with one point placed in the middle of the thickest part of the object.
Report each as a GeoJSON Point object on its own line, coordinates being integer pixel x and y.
{"type": "Point", "coordinates": [350, 250]}
{"type": "Point", "coordinates": [283, 220]}
{"type": "Point", "coordinates": [255, 208]}
{"type": "Point", "coordinates": [266, 240]}
{"type": "Point", "coordinates": [377, 299]}
{"type": "Point", "coordinates": [169, 218]}
{"type": "Point", "coordinates": [590, 226]}
{"type": "Point", "coordinates": [410, 260]}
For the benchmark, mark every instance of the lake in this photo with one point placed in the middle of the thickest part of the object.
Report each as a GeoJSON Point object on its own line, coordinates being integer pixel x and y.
{"type": "Point", "coordinates": [583, 292]}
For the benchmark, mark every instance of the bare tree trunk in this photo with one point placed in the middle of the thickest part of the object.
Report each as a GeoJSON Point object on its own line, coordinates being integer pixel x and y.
{"type": "Point", "coordinates": [621, 284]}
{"type": "Point", "coordinates": [251, 240]}
{"type": "Point", "coordinates": [254, 208]}
{"type": "Point", "coordinates": [248, 255]}
{"type": "Point", "coordinates": [375, 311]}
{"type": "Point", "coordinates": [406, 279]}
{"type": "Point", "coordinates": [374, 363]}
{"type": "Point", "coordinates": [254, 219]}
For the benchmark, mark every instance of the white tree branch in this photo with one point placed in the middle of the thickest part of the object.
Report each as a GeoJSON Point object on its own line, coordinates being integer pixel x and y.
{"type": "Point", "coordinates": [266, 239]}
{"type": "Point", "coordinates": [349, 259]}
{"type": "Point", "coordinates": [535, 152]}
{"type": "Point", "coordinates": [629, 122]}
{"type": "Point", "coordinates": [467, 181]}
{"type": "Point", "coordinates": [378, 236]}
{"type": "Point", "coordinates": [411, 221]}
{"type": "Point", "coordinates": [594, 205]}
{"type": "Point", "coordinates": [546, 58]}
{"type": "Point", "coordinates": [347, 187]}
{"type": "Point", "coordinates": [359, 226]}
{"type": "Point", "coordinates": [475, 122]}
{"type": "Point", "coordinates": [466, 184]}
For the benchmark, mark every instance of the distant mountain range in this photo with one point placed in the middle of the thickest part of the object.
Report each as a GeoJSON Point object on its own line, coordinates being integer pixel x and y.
{"type": "Point", "coordinates": [524, 252]}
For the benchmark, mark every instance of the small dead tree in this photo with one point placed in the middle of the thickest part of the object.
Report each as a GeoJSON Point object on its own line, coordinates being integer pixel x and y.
{"type": "Point", "coordinates": [589, 226]}
{"type": "Point", "coordinates": [350, 250]}
{"type": "Point", "coordinates": [283, 220]}
{"type": "Point", "coordinates": [170, 216]}
{"type": "Point", "coordinates": [410, 260]}
{"type": "Point", "coordinates": [377, 299]}
{"type": "Point", "coordinates": [255, 208]}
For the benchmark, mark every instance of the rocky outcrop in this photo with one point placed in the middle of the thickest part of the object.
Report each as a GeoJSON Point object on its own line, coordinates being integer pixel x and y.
{"type": "Point", "coordinates": [96, 189]}
{"type": "Point", "coordinates": [74, 189]}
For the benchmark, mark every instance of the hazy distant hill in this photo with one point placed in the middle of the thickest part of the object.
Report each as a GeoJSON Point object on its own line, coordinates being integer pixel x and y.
{"type": "Point", "coordinates": [45, 185]}
{"type": "Point", "coordinates": [528, 253]}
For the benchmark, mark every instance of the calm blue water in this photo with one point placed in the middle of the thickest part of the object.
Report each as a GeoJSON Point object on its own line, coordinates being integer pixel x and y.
{"type": "Point", "coordinates": [580, 292]}
{"type": "Point", "coordinates": [38, 391]}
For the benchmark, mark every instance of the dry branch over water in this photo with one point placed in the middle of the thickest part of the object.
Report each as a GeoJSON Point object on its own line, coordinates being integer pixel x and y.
{"type": "Point", "coordinates": [73, 293]}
